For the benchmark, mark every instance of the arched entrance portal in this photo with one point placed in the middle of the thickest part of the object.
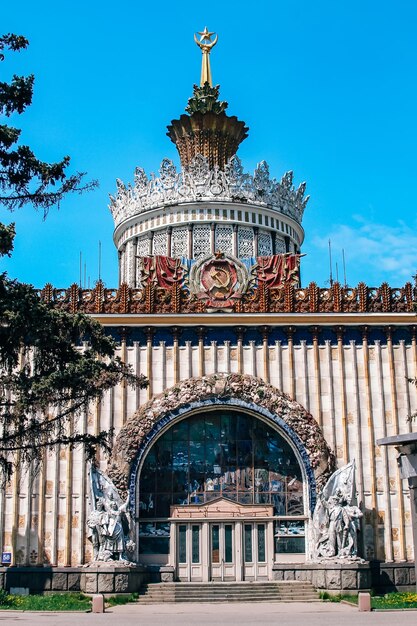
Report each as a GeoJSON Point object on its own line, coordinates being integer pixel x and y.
{"type": "Point", "coordinates": [221, 495]}
{"type": "Point", "coordinates": [222, 473]}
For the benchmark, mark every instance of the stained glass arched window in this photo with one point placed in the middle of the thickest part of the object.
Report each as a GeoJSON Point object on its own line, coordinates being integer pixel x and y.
{"type": "Point", "coordinates": [220, 453]}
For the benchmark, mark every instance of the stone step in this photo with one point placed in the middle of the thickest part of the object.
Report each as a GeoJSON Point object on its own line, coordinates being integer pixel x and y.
{"type": "Point", "coordinates": [257, 592]}
{"type": "Point", "coordinates": [227, 601]}
{"type": "Point", "coordinates": [231, 582]}
{"type": "Point", "coordinates": [229, 595]}
{"type": "Point", "coordinates": [231, 588]}
{"type": "Point", "coordinates": [249, 591]}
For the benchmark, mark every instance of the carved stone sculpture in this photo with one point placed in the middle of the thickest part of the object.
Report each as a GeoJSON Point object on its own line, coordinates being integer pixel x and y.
{"type": "Point", "coordinates": [336, 519]}
{"type": "Point", "coordinates": [109, 527]}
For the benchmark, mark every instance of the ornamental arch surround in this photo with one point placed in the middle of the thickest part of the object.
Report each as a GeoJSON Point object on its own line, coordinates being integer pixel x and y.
{"type": "Point", "coordinates": [237, 391]}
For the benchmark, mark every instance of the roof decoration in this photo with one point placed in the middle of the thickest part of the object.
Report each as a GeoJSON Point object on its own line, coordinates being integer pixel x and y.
{"type": "Point", "coordinates": [205, 44]}
{"type": "Point", "coordinates": [207, 130]}
{"type": "Point", "coordinates": [200, 182]}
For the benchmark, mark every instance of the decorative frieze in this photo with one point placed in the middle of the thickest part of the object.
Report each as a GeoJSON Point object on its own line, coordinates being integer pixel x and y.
{"type": "Point", "coordinates": [285, 298]}
{"type": "Point", "coordinates": [201, 182]}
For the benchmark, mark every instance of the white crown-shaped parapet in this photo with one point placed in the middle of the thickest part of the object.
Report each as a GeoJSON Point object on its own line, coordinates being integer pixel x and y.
{"type": "Point", "coordinates": [199, 182]}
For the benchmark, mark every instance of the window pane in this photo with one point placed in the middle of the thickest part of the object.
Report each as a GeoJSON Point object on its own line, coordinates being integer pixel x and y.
{"type": "Point", "coordinates": [248, 543]}
{"type": "Point", "coordinates": [295, 504]}
{"type": "Point", "coordinates": [215, 546]}
{"type": "Point", "coordinates": [164, 480]}
{"type": "Point", "coordinates": [290, 545]}
{"type": "Point", "coordinates": [180, 431]}
{"type": "Point", "coordinates": [154, 545]}
{"type": "Point", "coordinates": [195, 536]}
{"type": "Point", "coordinates": [163, 504]}
{"type": "Point", "coordinates": [213, 428]}
{"type": "Point", "coordinates": [290, 537]}
{"type": "Point", "coordinates": [197, 457]}
{"type": "Point", "coordinates": [180, 455]}
{"type": "Point", "coordinates": [147, 505]}
{"type": "Point", "coordinates": [182, 543]}
{"type": "Point", "coordinates": [261, 543]}
{"type": "Point", "coordinates": [197, 430]}
{"type": "Point", "coordinates": [228, 543]}
{"type": "Point", "coordinates": [163, 454]}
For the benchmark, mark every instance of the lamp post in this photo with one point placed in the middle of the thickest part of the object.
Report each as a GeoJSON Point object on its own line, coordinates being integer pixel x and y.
{"type": "Point", "coordinates": [406, 446]}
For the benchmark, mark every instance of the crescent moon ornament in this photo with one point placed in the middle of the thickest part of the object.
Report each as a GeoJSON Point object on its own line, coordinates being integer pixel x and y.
{"type": "Point", "coordinates": [205, 44]}
{"type": "Point", "coordinates": [209, 45]}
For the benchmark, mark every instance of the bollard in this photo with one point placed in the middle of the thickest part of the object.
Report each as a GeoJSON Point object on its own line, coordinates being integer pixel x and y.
{"type": "Point", "coordinates": [98, 604]}
{"type": "Point", "coordinates": [364, 601]}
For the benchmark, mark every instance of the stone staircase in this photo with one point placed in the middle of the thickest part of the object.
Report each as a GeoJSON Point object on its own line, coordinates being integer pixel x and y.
{"type": "Point", "coordinates": [282, 591]}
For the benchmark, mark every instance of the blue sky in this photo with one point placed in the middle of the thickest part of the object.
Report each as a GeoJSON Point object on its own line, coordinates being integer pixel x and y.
{"type": "Point", "coordinates": [328, 89]}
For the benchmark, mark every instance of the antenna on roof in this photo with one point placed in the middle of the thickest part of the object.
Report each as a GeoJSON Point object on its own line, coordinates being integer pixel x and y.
{"type": "Point", "coordinates": [337, 273]}
{"type": "Point", "coordinates": [330, 261]}
{"type": "Point", "coordinates": [344, 267]}
{"type": "Point", "coordinates": [99, 260]}
{"type": "Point", "coordinates": [81, 265]}
{"type": "Point", "coordinates": [85, 275]}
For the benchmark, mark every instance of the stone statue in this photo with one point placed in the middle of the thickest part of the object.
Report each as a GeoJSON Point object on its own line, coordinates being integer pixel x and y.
{"type": "Point", "coordinates": [336, 518]}
{"type": "Point", "coordinates": [109, 525]}
{"type": "Point", "coordinates": [94, 525]}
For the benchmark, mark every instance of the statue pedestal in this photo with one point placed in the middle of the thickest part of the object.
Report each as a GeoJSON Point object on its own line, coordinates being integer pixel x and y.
{"type": "Point", "coordinates": [328, 576]}
{"type": "Point", "coordinates": [111, 578]}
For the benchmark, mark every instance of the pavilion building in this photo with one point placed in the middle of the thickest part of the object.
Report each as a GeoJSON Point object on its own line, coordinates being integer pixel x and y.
{"type": "Point", "coordinates": [259, 387]}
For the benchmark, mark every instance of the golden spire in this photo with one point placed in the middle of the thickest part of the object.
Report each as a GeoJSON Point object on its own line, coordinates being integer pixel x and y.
{"type": "Point", "coordinates": [206, 45]}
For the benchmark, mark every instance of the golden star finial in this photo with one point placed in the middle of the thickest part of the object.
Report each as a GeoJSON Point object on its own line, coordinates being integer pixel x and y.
{"type": "Point", "coordinates": [205, 44]}
{"type": "Point", "coordinates": [205, 34]}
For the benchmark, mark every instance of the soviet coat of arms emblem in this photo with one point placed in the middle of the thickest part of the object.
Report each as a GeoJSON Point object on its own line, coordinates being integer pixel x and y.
{"type": "Point", "coordinates": [219, 280]}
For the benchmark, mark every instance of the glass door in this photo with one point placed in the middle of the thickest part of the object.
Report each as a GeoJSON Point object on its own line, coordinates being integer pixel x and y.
{"type": "Point", "coordinates": [255, 562]}
{"type": "Point", "coordinates": [189, 559]}
{"type": "Point", "coordinates": [222, 551]}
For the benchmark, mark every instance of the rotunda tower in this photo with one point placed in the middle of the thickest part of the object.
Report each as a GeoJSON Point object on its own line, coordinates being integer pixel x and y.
{"type": "Point", "coordinates": [210, 205]}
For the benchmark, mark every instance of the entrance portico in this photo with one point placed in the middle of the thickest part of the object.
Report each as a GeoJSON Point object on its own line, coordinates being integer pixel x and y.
{"type": "Point", "coordinates": [222, 541]}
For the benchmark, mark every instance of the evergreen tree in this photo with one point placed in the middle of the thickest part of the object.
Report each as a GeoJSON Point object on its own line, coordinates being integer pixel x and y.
{"type": "Point", "coordinates": [53, 364]}
{"type": "Point", "coordinates": [24, 179]}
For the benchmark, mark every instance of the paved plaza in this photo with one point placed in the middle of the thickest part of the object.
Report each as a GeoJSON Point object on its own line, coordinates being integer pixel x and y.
{"type": "Point", "coordinates": [294, 614]}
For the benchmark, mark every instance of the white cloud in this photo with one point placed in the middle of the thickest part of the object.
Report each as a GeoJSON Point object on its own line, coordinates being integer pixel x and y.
{"type": "Point", "coordinates": [374, 252]}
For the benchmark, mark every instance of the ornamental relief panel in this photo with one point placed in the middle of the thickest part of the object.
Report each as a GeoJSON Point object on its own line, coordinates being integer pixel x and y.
{"type": "Point", "coordinates": [179, 242]}
{"type": "Point", "coordinates": [245, 242]}
{"type": "Point", "coordinates": [279, 245]}
{"type": "Point", "coordinates": [201, 240]}
{"type": "Point", "coordinates": [264, 244]}
{"type": "Point", "coordinates": [144, 245]}
{"type": "Point", "coordinates": [224, 238]}
{"type": "Point", "coordinates": [160, 242]}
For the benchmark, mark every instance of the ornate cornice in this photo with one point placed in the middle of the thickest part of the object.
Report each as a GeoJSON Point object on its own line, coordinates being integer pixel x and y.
{"type": "Point", "coordinates": [199, 182]}
{"type": "Point", "coordinates": [309, 302]}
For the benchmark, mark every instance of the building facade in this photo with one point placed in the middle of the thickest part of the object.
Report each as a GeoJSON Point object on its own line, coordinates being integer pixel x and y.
{"type": "Point", "coordinates": [259, 388]}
